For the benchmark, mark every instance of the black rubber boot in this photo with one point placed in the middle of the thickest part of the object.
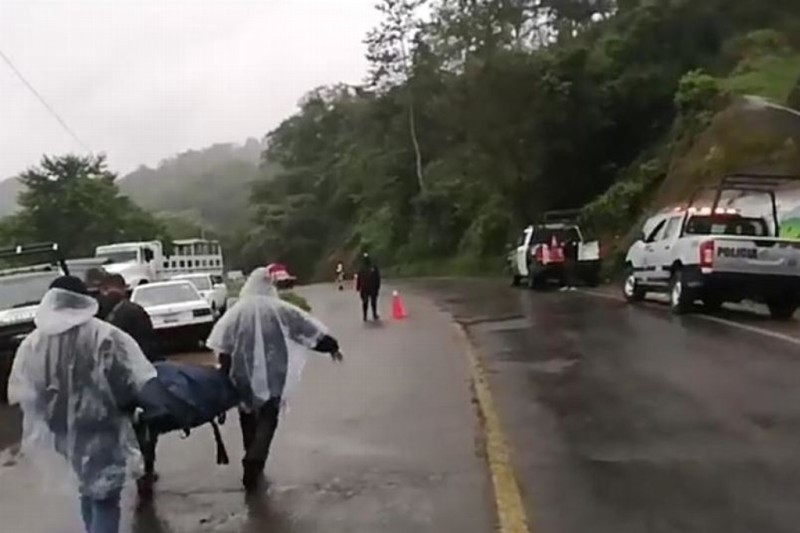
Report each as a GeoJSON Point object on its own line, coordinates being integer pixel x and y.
{"type": "Point", "coordinates": [252, 476]}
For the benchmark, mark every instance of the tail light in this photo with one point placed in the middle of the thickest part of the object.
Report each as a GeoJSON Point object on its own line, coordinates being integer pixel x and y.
{"type": "Point", "coordinates": [707, 254]}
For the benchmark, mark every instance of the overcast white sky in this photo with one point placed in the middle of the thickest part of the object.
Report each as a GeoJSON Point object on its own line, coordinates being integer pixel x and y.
{"type": "Point", "coordinates": [143, 79]}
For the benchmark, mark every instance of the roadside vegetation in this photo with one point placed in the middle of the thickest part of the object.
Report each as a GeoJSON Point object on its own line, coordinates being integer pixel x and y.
{"type": "Point", "coordinates": [480, 116]}
{"type": "Point", "coordinates": [476, 118]}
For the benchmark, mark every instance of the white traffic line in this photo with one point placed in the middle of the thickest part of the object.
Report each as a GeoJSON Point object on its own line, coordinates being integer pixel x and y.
{"type": "Point", "coordinates": [744, 327]}
{"type": "Point", "coordinates": [751, 329]}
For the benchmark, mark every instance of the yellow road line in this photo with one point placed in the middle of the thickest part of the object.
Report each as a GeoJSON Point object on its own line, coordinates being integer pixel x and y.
{"type": "Point", "coordinates": [510, 510]}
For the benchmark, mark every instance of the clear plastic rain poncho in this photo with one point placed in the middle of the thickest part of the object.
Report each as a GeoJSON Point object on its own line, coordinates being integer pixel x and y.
{"type": "Point", "coordinates": [71, 377]}
{"type": "Point", "coordinates": [266, 339]}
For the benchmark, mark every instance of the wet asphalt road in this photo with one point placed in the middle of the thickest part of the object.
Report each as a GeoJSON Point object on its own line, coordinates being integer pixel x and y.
{"type": "Point", "coordinates": [627, 419]}
{"type": "Point", "coordinates": [620, 419]}
{"type": "Point", "coordinates": [388, 441]}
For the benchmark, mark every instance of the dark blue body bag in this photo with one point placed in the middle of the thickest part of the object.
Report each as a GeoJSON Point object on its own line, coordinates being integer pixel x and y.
{"type": "Point", "coordinates": [186, 396]}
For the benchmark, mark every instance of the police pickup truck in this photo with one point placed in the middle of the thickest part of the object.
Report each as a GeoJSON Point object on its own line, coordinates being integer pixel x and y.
{"type": "Point", "coordinates": [717, 255]}
{"type": "Point", "coordinates": [545, 252]}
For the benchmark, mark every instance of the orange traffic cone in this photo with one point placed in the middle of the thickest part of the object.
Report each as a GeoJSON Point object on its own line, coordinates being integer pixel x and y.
{"type": "Point", "coordinates": [398, 309]}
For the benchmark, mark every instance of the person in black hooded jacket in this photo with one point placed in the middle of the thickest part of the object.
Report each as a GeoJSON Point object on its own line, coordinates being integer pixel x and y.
{"type": "Point", "coordinates": [368, 284]}
{"type": "Point", "coordinates": [130, 317]}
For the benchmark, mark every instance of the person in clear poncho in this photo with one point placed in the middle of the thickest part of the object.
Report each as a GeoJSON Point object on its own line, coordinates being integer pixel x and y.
{"type": "Point", "coordinates": [257, 342]}
{"type": "Point", "coordinates": [74, 378]}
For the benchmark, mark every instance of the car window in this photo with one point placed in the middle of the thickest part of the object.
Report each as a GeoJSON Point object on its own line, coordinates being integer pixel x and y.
{"type": "Point", "coordinates": [21, 290]}
{"type": "Point", "coordinates": [201, 283]}
{"type": "Point", "coordinates": [545, 235]}
{"type": "Point", "coordinates": [672, 228]}
{"type": "Point", "coordinates": [165, 294]}
{"type": "Point", "coordinates": [726, 225]}
{"type": "Point", "coordinates": [655, 235]}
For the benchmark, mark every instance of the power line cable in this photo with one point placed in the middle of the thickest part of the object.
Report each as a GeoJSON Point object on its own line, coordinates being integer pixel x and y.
{"type": "Point", "coordinates": [43, 101]}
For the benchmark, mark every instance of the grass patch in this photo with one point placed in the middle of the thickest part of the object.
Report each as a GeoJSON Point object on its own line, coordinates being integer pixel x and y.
{"type": "Point", "coordinates": [769, 76]}
{"type": "Point", "coordinates": [295, 299]}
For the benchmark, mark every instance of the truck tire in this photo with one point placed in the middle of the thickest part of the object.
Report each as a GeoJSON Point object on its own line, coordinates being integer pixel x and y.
{"type": "Point", "coordinates": [516, 280]}
{"type": "Point", "coordinates": [632, 290]}
{"type": "Point", "coordinates": [781, 309]}
{"type": "Point", "coordinates": [681, 297]}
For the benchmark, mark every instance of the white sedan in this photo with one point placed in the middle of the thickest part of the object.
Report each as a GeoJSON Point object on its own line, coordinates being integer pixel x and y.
{"type": "Point", "coordinates": [180, 315]}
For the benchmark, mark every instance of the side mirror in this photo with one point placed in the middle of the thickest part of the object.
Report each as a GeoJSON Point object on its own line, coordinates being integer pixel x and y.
{"type": "Point", "coordinates": [148, 255]}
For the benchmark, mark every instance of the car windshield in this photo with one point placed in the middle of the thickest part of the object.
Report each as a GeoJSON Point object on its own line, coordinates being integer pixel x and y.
{"type": "Point", "coordinates": [165, 294]}
{"type": "Point", "coordinates": [545, 235]}
{"type": "Point", "coordinates": [727, 225]}
{"type": "Point", "coordinates": [201, 283]}
{"type": "Point", "coordinates": [121, 256]}
{"type": "Point", "coordinates": [21, 290]}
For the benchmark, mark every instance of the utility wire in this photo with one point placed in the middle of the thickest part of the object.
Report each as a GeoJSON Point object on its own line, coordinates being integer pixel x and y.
{"type": "Point", "coordinates": [43, 101]}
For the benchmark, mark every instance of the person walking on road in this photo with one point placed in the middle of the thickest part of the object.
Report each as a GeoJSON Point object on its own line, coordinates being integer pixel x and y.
{"type": "Point", "coordinates": [130, 317]}
{"type": "Point", "coordinates": [76, 378]}
{"type": "Point", "coordinates": [259, 343]}
{"type": "Point", "coordinates": [340, 275]}
{"type": "Point", "coordinates": [369, 286]}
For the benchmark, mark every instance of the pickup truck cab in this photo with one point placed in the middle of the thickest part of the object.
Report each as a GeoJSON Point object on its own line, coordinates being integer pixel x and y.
{"type": "Point", "coordinates": [714, 255]}
{"type": "Point", "coordinates": [542, 251]}
{"type": "Point", "coordinates": [211, 287]}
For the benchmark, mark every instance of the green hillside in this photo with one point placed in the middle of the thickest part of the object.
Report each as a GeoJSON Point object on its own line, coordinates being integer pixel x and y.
{"type": "Point", "coordinates": [480, 116]}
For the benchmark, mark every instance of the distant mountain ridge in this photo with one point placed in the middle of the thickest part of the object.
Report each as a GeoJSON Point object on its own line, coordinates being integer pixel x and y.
{"type": "Point", "coordinates": [209, 187]}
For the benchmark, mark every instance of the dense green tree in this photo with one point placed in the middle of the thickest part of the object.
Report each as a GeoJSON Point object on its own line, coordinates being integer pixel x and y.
{"type": "Point", "coordinates": [74, 201]}
{"type": "Point", "coordinates": [482, 114]}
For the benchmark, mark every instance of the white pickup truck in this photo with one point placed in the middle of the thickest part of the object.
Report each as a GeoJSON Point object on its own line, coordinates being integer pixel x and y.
{"type": "Point", "coordinates": [211, 287]}
{"type": "Point", "coordinates": [542, 251]}
{"type": "Point", "coordinates": [714, 255]}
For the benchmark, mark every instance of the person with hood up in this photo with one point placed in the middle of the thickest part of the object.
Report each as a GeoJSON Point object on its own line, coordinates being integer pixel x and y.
{"type": "Point", "coordinates": [259, 342]}
{"type": "Point", "coordinates": [368, 284]}
{"type": "Point", "coordinates": [75, 378]}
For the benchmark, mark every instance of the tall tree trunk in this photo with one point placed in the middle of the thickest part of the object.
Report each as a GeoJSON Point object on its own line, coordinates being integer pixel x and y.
{"type": "Point", "coordinates": [412, 121]}
{"type": "Point", "coordinates": [412, 126]}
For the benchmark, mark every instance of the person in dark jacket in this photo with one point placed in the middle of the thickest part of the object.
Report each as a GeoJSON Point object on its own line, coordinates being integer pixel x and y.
{"type": "Point", "coordinates": [130, 317]}
{"type": "Point", "coordinates": [369, 286]}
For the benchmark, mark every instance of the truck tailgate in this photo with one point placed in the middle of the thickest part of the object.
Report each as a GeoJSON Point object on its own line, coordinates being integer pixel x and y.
{"type": "Point", "coordinates": [757, 255]}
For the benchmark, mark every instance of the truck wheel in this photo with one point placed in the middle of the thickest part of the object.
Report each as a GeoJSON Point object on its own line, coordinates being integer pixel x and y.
{"type": "Point", "coordinates": [632, 290]}
{"type": "Point", "coordinates": [782, 309]}
{"type": "Point", "coordinates": [516, 280]}
{"type": "Point", "coordinates": [681, 298]}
